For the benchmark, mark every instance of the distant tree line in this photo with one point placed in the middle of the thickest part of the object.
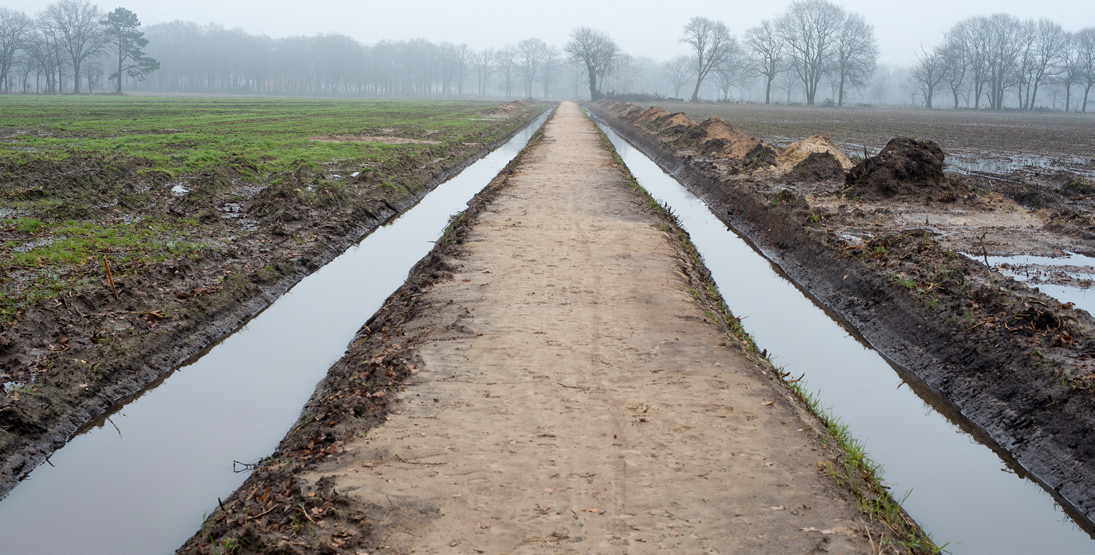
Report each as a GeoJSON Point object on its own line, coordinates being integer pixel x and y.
{"type": "Point", "coordinates": [71, 40]}
{"type": "Point", "coordinates": [988, 58]}
{"type": "Point", "coordinates": [816, 52]}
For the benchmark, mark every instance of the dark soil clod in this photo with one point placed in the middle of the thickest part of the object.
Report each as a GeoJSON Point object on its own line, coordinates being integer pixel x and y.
{"type": "Point", "coordinates": [905, 166]}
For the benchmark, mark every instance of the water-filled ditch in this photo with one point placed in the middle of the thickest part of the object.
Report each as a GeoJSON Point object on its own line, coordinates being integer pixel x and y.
{"type": "Point", "coordinates": [141, 481]}
{"type": "Point", "coordinates": [960, 490]}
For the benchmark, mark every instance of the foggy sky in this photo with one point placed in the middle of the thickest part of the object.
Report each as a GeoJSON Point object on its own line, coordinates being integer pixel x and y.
{"type": "Point", "coordinates": [641, 28]}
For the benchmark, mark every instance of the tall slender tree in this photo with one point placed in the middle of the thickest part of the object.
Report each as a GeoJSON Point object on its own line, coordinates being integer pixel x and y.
{"type": "Point", "coordinates": [712, 45]}
{"type": "Point", "coordinates": [855, 54]}
{"type": "Point", "coordinates": [77, 30]}
{"type": "Point", "coordinates": [596, 52]}
{"type": "Point", "coordinates": [15, 33]}
{"type": "Point", "coordinates": [1085, 50]}
{"type": "Point", "coordinates": [810, 29]}
{"type": "Point", "coordinates": [123, 32]}
{"type": "Point", "coordinates": [678, 71]}
{"type": "Point", "coordinates": [531, 53]}
{"type": "Point", "coordinates": [766, 47]}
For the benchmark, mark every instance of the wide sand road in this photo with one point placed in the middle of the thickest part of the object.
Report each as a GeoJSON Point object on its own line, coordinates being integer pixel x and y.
{"type": "Point", "coordinates": [574, 397]}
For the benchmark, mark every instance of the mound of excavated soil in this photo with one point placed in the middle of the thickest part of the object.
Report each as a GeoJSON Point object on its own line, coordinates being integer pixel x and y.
{"type": "Point", "coordinates": [652, 114]}
{"type": "Point", "coordinates": [503, 110]}
{"type": "Point", "coordinates": [675, 124]}
{"type": "Point", "coordinates": [717, 137]}
{"type": "Point", "coordinates": [799, 151]}
{"type": "Point", "coordinates": [818, 166]}
{"type": "Point", "coordinates": [762, 155]}
{"type": "Point", "coordinates": [905, 166]}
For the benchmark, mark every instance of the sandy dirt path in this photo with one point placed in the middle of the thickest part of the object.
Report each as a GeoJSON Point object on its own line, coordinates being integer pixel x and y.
{"type": "Point", "coordinates": [574, 398]}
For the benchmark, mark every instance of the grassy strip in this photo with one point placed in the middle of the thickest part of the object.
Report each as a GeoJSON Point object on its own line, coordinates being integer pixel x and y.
{"type": "Point", "coordinates": [857, 472]}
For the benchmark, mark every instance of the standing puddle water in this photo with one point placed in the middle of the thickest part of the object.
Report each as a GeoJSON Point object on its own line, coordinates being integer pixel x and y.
{"type": "Point", "coordinates": [961, 492]}
{"type": "Point", "coordinates": [141, 482]}
{"type": "Point", "coordinates": [1048, 274]}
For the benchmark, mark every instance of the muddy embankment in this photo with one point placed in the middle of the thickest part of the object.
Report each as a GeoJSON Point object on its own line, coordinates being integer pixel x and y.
{"type": "Point", "coordinates": [74, 358]}
{"type": "Point", "coordinates": [1008, 363]}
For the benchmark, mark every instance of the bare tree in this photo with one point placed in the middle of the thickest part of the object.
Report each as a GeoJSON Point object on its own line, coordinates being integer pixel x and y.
{"type": "Point", "coordinates": [855, 53]}
{"type": "Point", "coordinates": [728, 73]}
{"type": "Point", "coordinates": [1049, 55]}
{"type": "Point", "coordinates": [1005, 56]}
{"type": "Point", "coordinates": [810, 29]}
{"type": "Point", "coordinates": [596, 51]}
{"type": "Point", "coordinates": [766, 47]}
{"type": "Point", "coordinates": [483, 62]}
{"type": "Point", "coordinates": [77, 31]}
{"type": "Point", "coordinates": [711, 45]}
{"type": "Point", "coordinates": [123, 32]}
{"type": "Point", "coordinates": [1071, 70]}
{"type": "Point", "coordinates": [929, 72]}
{"type": "Point", "coordinates": [1085, 56]}
{"type": "Point", "coordinates": [550, 68]}
{"type": "Point", "coordinates": [453, 64]}
{"type": "Point", "coordinates": [678, 71]}
{"type": "Point", "coordinates": [972, 37]}
{"type": "Point", "coordinates": [15, 31]}
{"type": "Point", "coordinates": [955, 66]}
{"type": "Point", "coordinates": [531, 53]}
{"type": "Point", "coordinates": [628, 72]}
{"type": "Point", "coordinates": [505, 61]}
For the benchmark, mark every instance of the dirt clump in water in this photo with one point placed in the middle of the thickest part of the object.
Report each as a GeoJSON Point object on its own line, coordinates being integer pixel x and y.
{"type": "Point", "coordinates": [905, 166]}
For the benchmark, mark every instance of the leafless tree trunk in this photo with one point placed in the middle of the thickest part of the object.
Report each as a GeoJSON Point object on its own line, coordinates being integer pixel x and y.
{"type": "Point", "coordinates": [809, 28]}
{"type": "Point", "coordinates": [78, 31]}
{"type": "Point", "coordinates": [596, 51]}
{"type": "Point", "coordinates": [1052, 41]}
{"type": "Point", "coordinates": [929, 72]}
{"type": "Point", "coordinates": [1085, 48]}
{"type": "Point", "coordinates": [711, 45]}
{"type": "Point", "coordinates": [766, 46]}
{"type": "Point", "coordinates": [15, 33]}
{"type": "Point", "coordinates": [678, 71]}
{"type": "Point", "coordinates": [856, 54]}
{"type": "Point", "coordinates": [531, 52]}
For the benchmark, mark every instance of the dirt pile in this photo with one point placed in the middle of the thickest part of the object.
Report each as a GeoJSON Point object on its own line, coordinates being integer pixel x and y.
{"type": "Point", "coordinates": [905, 166]}
{"type": "Point", "coordinates": [716, 137]}
{"type": "Point", "coordinates": [675, 124]}
{"type": "Point", "coordinates": [651, 115]}
{"type": "Point", "coordinates": [503, 110]}
{"type": "Point", "coordinates": [799, 151]}
{"type": "Point", "coordinates": [818, 166]}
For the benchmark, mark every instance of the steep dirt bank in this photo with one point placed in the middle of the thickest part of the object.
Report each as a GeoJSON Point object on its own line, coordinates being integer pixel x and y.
{"type": "Point", "coordinates": [1013, 362]}
{"type": "Point", "coordinates": [67, 361]}
{"type": "Point", "coordinates": [552, 378]}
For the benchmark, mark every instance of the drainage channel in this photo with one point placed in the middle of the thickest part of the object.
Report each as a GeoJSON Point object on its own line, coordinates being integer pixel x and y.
{"type": "Point", "coordinates": [141, 482]}
{"type": "Point", "coordinates": [959, 490]}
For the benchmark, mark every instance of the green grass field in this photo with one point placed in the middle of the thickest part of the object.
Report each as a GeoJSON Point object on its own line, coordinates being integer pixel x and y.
{"type": "Point", "coordinates": [88, 178]}
{"type": "Point", "coordinates": [186, 134]}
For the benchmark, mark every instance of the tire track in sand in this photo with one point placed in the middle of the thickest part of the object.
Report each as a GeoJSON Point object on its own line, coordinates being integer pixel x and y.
{"type": "Point", "coordinates": [573, 398]}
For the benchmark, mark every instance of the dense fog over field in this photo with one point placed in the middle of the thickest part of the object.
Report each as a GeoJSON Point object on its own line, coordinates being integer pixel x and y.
{"type": "Point", "coordinates": [474, 49]}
